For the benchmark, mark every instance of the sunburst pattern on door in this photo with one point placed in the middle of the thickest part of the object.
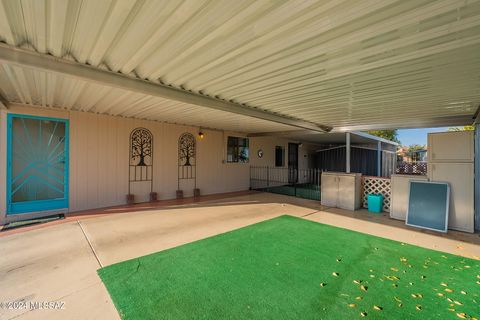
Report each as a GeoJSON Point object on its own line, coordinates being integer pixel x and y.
{"type": "Point", "coordinates": [37, 164]}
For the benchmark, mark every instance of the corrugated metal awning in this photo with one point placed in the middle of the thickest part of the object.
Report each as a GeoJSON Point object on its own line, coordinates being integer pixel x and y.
{"type": "Point", "coordinates": [342, 64]}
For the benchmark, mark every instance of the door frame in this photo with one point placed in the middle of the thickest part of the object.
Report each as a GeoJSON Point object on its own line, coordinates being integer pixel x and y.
{"type": "Point", "coordinates": [38, 205]}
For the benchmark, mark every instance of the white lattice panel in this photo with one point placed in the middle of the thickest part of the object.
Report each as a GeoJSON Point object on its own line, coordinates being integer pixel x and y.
{"type": "Point", "coordinates": [376, 185]}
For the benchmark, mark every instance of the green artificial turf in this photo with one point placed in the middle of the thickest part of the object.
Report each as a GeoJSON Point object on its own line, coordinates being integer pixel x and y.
{"type": "Point", "coordinates": [290, 268]}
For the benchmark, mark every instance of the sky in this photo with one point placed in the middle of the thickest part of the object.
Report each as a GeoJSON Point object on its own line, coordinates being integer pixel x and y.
{"type": "Point", "coordinates": [416, 136]}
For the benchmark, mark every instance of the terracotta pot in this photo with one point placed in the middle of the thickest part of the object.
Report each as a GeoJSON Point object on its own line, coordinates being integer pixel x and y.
{"type": "Point", "coordinates": [196, 193]}
{"type": "Point", "coordinates": [179, 194]}
{"type": "Point", "coordinates": [153, 196]}
{"type": "Point", "coordinates": [130, 199]}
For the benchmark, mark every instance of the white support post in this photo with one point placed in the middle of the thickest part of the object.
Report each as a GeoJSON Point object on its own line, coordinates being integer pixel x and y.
{"type": "Point", "coordinates": [379, 158]}
{"type": "Point", "coordinates": [347, 152]}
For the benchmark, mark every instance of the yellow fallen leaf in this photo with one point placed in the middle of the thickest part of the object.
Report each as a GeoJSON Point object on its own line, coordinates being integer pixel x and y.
{"type": "Point", "coordinates": [418, 307]}
{"type": "Point", "coordinates": [363, 288]}
{"type": "Point", "coordinates": [440, 294]}
{"type": "Point", "coordinates": [400, 305]}
{"type": "Point", "coordinates": [448, 290]}
{"type": "Point", "coordinates": [458, 303]}
{"type": "Point", "coordinates": [363, 314]}
{"type": "Point", "coordinates": [397, 299]}
{"type": "Point", "coordinates": [323, 284]}
{"type": "Point", "coordinates": [462, 315]}
{"type": "Point", "coordinates": [378, 308]}
{"type": "Point", "coordinates": [358, 298]}
{"type": "Point", "coordinates": [394, 269]}
{"type": "Point", "coordinates": [463, 292]}
{"type": "Point", "coordinates": [352, 305]}
{"type": "Point", "coordinates": [444, 284]}
{"type": "Point", "coordinates": [335, 274]}
{"type": "Point", "coordinates": [357, 281]}
{"type": "Point", "coordinates": [450, 309]}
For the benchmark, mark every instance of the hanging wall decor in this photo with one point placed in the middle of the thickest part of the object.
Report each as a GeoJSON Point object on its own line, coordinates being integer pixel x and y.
{"type": "Point", "coordinates": [186, 158]}
{"type": "Point", "coordinates": [141, 157]}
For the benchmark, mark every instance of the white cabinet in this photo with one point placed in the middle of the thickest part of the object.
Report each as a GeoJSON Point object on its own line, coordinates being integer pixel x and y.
{"type": "Point", "coordinates": [451, 159]}
{"type": "Point", "coordinates": [341, 190]}
{"type": "Point", "coordinates": [460, 176]}
{"type": "Point", "coordinates": [329, 190]}
{"type": "Point", "coordinates": [400, 193]}
{"type": "Point", "coordinates": [453, 146]}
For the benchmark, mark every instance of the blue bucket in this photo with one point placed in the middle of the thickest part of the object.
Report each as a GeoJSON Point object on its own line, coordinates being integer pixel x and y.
{"type": "Point", "coordinates": [375, 203]}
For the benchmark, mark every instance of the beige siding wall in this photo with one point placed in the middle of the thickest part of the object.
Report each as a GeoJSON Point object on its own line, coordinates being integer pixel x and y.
{"type": "Point", "coordinates": [99, 152]}
{"type": "Point", "coordinates": [268, 144]}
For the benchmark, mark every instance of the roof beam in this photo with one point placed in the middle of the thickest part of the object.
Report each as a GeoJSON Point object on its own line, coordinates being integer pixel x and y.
{"type": "Point", "coordinates": [476, 116]}
{"type": "Point", "coordinates": [3, 102]}
{"type": "Point", "coordinates": [287, 134]}
{"type": "Point", "coordinates": [438, 122]}
{"type": "Point", "coordinates": [281, 133]}
{"type": "Point", "coordinates": [48, 63]}
{"type": "Point", "coordinates": [372, 137]}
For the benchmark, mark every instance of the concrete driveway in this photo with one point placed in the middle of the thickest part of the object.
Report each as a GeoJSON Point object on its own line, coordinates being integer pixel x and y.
{"type": "Point", "coordinates": [59, 262]}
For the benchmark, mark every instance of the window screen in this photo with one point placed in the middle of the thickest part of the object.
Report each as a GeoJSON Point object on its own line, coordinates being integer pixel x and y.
{"type": "Point", "coordinates": [237, 149]}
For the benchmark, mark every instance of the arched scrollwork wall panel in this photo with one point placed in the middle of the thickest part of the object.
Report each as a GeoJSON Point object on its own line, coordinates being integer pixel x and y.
{"type": "Point", "coordinates": [141, 157]}
{"type": "Point", "coordinates": [187, 162]}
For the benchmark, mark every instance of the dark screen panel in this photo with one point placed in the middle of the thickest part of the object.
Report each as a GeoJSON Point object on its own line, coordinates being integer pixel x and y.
{"type": "Point", "coordinates": [428, 205]}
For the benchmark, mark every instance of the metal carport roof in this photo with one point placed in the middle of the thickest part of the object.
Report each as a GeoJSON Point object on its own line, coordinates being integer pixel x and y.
{"type": "Point", "coordinates": [318, 65]}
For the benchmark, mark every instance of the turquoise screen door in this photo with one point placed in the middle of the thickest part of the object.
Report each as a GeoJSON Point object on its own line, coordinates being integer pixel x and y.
{"type": "Point", "coordinates": [37, 164]}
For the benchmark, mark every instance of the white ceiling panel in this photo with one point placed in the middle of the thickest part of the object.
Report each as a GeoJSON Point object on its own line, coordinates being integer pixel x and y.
{"type": "Point", "coordinates": [343, 64]}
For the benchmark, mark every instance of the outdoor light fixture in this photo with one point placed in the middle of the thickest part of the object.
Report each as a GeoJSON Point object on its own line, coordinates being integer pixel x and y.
{"type": "Point", "coordinates": [201, 134]}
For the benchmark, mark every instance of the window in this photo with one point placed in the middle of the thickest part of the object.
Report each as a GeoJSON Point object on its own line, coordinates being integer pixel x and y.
{"type": "Point", "coordinates": [279, 156]}
{"type": "Point", "coordinates": [237, 149]}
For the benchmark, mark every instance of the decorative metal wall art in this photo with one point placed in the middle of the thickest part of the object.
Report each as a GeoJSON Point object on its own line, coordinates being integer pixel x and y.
{"type": "Point", "coordinates": [186, 158]}
{"type": "Point", "coordinates": [141, 157]}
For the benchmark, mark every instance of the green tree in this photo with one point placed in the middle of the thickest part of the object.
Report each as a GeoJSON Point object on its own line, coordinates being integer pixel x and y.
{"type": "Point", "coordinates": [412, 151]}
{"type": "Point", "coordinates": [464, 128]}
{"type": "Point", "coordinates": [391, 135]}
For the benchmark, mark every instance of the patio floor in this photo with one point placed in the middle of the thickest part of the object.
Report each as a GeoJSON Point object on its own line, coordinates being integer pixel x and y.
{"type": "Point", "coordinates": [58, 261]}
